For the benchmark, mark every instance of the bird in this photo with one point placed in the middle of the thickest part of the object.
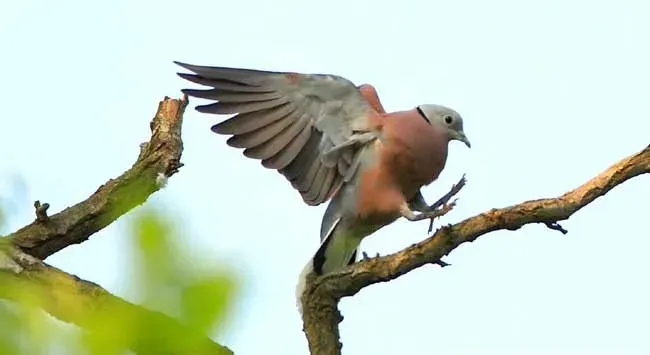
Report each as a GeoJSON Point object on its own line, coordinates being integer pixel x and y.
{"type": "Point", "coordinates": [334, 142]}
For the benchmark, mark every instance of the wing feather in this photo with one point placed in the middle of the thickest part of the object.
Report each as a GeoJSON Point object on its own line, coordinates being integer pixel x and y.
{"type": "Point", "coordinates": [227, 107]}
{"type": "Point", "coordinates": [305, 159]}
{"type": "Point", "coordinates": [224, 85]}
{"type": "Point", "coordinates": [277, 143]}
{"type": "Point", "coordinates": [251, 121]}
{"type": "Point", "coordinates": [260, 135]}
{"type": "Point", "coordinates": [288, 121]}
{"type": "Point", "coordinates": [312, 192]}
{"type": "Point", "coordinates": [289, 151]}
{"type": "Point", "coordinates": [227, 96]}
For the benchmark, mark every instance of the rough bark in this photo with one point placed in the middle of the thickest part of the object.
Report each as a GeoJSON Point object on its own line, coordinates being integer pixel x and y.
{"type": "Point", "coordinates": [320, 300]}
{"type": "Point", "coordinates": [71, 299]}
{"type": "Point", "coordinates": [159, 159]}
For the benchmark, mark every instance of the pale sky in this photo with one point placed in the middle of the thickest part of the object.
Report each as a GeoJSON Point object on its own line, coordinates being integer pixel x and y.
{"type": "Point", "coordinates": [551, 93]}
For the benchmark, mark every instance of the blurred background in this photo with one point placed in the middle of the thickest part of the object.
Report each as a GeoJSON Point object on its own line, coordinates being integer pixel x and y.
{"type": "Point", "coordinates": [552, 93]}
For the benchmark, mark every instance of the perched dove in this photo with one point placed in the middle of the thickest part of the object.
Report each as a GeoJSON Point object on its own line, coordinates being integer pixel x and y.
{"type": "Point", "coordinates": [333, 140]}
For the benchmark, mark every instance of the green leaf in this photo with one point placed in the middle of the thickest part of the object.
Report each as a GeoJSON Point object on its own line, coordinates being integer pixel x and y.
{"type": "Point", "coordinates": [206, 301]}
{"type": "Point", "coordinates": [197, 295]}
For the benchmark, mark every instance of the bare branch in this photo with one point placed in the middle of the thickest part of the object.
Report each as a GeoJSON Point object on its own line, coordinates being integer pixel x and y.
{"type": "Point", "coordinates": [159, 159]}
{"type": "Point", "coordinates": [320, 300]}
{"type": "Point", "coordinates": [321, 317]}
{"type": "Point", "coordinates": [73, 300]}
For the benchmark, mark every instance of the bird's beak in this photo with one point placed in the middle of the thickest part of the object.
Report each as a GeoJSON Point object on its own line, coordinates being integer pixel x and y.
{"type": "Point", "coordinates": [460, 136]}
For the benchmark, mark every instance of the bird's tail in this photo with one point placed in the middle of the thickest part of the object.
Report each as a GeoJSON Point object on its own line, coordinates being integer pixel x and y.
{"type": "Point", "coordinates": [337, 250]}
{"type": "Point", "coordinates": [302, 282]}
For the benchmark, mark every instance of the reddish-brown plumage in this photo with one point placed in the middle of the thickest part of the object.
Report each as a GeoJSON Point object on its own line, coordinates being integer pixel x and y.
{"type": "Point", "coordinates": [370, 94]}
{"type": "Point", "coordinates": [411, 153]}
{"type": "Point", "coordinates": [378, 197]}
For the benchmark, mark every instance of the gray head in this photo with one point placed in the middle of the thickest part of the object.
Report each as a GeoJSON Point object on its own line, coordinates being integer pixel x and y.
{"type": "Point", "coordinates": [447, 118]}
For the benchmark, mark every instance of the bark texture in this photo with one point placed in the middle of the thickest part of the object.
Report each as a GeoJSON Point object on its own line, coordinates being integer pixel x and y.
{"type": "Point", "coordinates": [77, 301]}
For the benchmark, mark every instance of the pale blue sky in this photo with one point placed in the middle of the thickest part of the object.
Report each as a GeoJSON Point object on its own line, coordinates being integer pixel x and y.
{"type": "Point", "coordinates": [551, 93]}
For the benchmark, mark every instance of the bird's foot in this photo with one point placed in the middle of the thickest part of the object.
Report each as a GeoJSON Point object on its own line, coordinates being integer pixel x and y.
{"type": "Point", "coordinates": [443, 201]}
{"type": "Point", "coordinates": [455, 189]}
{"type": "Point", "coordinates": [438, 212]}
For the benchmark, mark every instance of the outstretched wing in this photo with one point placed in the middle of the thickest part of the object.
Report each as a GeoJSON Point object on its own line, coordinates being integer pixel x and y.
{"type": "Point", "coordinates": [309, 127]}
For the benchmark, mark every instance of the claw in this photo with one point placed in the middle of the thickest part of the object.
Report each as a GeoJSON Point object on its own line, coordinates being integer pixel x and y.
{"type": "Point", "coordinates": [443, 210]}
{"type": "Point", "coordinates": [442, 202]}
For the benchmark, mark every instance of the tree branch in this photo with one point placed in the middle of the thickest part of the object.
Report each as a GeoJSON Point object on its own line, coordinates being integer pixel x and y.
{"type": "Point", "coordinates": [159, 159]}
{"type": "Point", "coordinates": [320, 300]}
{"type": "Point", "coordinates": [71, 299]}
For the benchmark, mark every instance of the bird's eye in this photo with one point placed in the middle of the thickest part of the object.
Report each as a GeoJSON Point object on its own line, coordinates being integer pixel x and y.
{"type": "Point", "coordinates": [448, 119]}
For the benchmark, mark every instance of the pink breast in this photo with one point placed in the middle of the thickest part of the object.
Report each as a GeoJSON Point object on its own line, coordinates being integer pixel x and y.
{"type": "Point", "coordinates": [415, 152]}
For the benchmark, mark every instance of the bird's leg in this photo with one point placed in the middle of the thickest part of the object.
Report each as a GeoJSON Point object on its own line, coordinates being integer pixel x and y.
{"type": "Point", "coordinates": [418, 203]}
{"type": "Point", "coordinates": [455, 189]}
{"type": "Point", "coordinates": [438, 209]}
{"type": "Point", "coordinates": [409, 214]}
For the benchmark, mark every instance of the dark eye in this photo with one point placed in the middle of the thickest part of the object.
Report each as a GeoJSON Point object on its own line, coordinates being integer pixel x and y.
{"type": "Point", "coordinates": [449, 119]}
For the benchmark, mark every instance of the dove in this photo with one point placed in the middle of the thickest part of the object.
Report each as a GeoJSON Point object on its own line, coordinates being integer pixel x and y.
{"type": "Point", "coordinates": [332, 141]}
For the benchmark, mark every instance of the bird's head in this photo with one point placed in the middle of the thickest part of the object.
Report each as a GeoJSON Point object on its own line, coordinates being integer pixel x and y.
{"type": "Point", "coordinates": [446, 118]}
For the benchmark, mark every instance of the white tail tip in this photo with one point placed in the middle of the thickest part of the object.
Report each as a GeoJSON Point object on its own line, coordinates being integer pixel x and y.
{"type": "Point", "coordinates": [302, 282]}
